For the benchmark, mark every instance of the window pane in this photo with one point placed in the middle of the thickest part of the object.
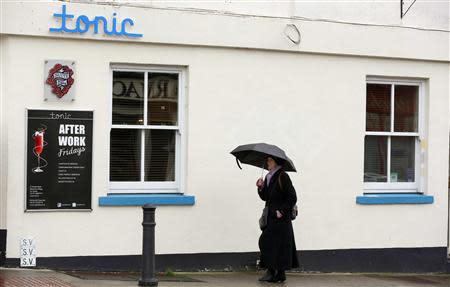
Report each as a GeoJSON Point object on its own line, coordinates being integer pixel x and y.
{"type": "Point", "coordinates": [378, 108]}
{"type": "Point", "coordinates": [406, 106]}
{"type": "Point", "coordinates": [128, 98]}
{"type": "Point", "coordinates": [125, 155]}
{"type": "Point", "coordinates": [162, 99]}
{"type": "Point", "coordinates": [159, 155]}
{"type": "Point", "coordinates": [402, 159]}
{"type": "Point", "coordinates": [375, 159]}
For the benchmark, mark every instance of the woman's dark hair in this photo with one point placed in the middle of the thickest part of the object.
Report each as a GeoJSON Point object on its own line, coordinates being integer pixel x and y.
{"type": "Point", "coordinates": [277, 160]}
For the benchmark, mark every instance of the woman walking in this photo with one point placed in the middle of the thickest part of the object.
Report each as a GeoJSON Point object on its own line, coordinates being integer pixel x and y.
{"type": "Point", "coordinates": [277, 243]}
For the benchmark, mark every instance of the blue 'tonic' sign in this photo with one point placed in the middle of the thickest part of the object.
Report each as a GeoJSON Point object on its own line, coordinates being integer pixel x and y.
{"type": "Point", "coordinates": [82, 24]}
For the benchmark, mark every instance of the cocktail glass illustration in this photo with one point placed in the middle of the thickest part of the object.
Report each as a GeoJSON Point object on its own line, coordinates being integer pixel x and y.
{"type": "Point", "coordinates": [38, 148]}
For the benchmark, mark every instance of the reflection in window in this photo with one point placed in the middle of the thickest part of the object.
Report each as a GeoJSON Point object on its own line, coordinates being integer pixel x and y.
{"type": "Point", "coordinates": [163, 99]}
{"type": "Point", "coordinates": [406, 108]}
{"type": "Point", "coordinates": [128, 98]}
{"type": "Point", "coordinates": [378, 107]}
{"type": "Point", "coordinates": [145, 127]}
{"type": "Point", "coordinates": [390, 145]}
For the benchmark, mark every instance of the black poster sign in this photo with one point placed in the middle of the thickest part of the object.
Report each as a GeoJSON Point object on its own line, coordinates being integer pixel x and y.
{"type": "Point", "coordinates": [59, 159]}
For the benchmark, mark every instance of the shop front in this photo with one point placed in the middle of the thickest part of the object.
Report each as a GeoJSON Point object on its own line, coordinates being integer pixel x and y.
{"type": "Point", "coordinates": [105, 108]}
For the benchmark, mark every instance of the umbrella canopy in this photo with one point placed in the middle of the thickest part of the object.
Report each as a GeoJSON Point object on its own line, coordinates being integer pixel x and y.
{"type": "Point", "coordinates": [256, 154]}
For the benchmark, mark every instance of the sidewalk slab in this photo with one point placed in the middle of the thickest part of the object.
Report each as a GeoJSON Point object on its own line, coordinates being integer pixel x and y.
{"type": "Point", "coordinates": [48, 278]}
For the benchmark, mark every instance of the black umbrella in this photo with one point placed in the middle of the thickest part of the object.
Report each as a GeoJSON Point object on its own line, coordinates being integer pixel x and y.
{"type": "Point", "coordinates": [257, 154]}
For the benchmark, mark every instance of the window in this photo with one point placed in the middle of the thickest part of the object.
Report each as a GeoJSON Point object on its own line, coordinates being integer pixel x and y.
{"type": "Point", "coordinates": [392, 140]}
{"type": "Point", "coordinates": [146, 135]}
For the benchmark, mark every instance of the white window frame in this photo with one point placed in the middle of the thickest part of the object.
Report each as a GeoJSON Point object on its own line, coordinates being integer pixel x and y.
{"type": "Point", "coordinates": [401, 187]}
{"type": "Point", "coordinates": [142, 186]}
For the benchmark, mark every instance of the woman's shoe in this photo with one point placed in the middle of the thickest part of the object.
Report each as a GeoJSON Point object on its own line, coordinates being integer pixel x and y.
{"type": "Point", "coordinates": [279, 277]}
{"type": "Point", "coordinates": [268, 276]}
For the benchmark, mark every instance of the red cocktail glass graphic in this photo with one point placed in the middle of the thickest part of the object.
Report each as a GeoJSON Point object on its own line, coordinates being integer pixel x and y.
{"type": "Point", "coordinates": [39, 144]}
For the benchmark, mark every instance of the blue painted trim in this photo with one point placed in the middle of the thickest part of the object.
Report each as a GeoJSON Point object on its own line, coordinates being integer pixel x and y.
{"type": "Point", "coordinates": [394, 198]}
{"type": "Point", "coordinates": [141, 199]}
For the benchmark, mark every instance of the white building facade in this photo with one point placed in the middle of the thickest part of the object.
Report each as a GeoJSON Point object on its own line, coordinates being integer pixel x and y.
{"type": "Point", "coordinates": [356, 95]}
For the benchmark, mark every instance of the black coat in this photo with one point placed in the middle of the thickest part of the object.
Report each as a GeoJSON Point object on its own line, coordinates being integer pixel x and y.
{"type": "Point", "coordinates": [277, 243]}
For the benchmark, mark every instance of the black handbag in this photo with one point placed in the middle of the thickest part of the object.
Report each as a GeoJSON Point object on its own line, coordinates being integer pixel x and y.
{"type": "Point", "coordinates": [263, 218]}
{"type": "Point", "coordinates": [294, 212]}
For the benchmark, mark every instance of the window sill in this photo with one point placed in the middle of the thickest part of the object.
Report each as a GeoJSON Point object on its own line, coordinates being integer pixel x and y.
{"type": "Point", "coordinates": [394, 198]}
{"type": "Point", "coordinates": [141, 199]}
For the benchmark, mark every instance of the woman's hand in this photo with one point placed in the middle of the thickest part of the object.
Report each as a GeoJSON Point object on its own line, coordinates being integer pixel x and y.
{"type": "Point", "coordinates": [279, 214]}
{"type": "Point", "coordinates": [259, 182]}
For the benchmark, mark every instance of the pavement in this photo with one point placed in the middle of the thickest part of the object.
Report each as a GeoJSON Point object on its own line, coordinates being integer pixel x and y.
{"type": "Point", "coordinates": [10, 277]}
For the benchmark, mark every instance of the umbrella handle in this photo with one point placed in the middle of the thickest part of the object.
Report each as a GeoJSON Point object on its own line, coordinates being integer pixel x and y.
{"type": "Point", "coordinates": [237, 161]}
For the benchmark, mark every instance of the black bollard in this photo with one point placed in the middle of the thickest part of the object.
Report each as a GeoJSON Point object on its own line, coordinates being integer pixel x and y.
{"type": "Point", "coordinates": [148, 248]}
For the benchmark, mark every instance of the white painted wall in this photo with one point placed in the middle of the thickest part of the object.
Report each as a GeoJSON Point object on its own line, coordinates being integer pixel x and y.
{"type": "Point", "coordinates": [3, 137]}
{"type": "Point", "coordinates": [319, 106]}
{"type": "Point", "coordinates": [315, 93]}
{"type": "Point", "coordinates": [222, 30]}
{"type": "Point", "coordinates": [428, 14]}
